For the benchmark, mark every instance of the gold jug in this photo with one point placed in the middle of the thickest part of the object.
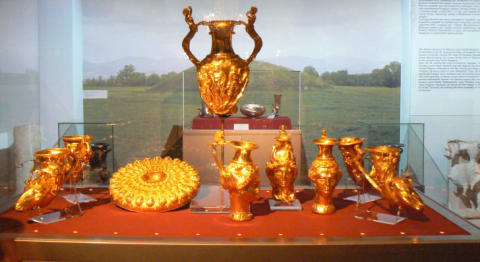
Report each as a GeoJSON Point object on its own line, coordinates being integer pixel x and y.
{"type": "Point", "coordinates": [282, 168]}
{"type": "Point", "coordinates": [46, 178]}
{"type": "Point", "coordinates": [347, 147]}
{"type": "Point", "coordinates": [81, 151]}
{"type": "Point", "coordinates": [240, 177]}
{"type": "Point", "coordinates": [222, 75]}
{"type": "Point", "coordinates": [398, 191]}
{"type": "Point", "coordinates": [324, 174]}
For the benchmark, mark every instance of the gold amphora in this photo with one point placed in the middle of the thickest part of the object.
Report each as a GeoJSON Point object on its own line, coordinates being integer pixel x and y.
{"type": "Point", "coordinates": [282, 169]}
{"type": "Point", "coordinates": [349, 153]}
{"type": "Point", "coordinates": [324, 174]}
{"type": "Point", "coordinates": [81, 151]}
{"type": "Point", "coordinates": [46, 178]}
{"type": "Point", "coordinates": [222, 75]}
{"type": "Point", "coordinates": [398, 191]}
{"type": "Point", "coordinates": [240, 177]}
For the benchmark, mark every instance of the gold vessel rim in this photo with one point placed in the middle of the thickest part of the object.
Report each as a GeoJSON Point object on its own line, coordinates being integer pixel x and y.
{"type": "Point", "coordinates": [383, 149]}
{"type": "Point", "coordinates": [49, 152]}
{"type": "Point", "coordinates": [350, 140]}
{"type": "Point", "coordinates": [325, 141]}
{"type": "Point", "coordinates": [77, 138]}
{"type": "Point", "coordinates": [243, 144]}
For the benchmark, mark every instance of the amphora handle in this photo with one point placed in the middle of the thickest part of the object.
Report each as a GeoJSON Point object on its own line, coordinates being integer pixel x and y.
{"type": "Point", "coordinates": [252, 33]}
{"type": "Point", "coordinates": [187, 12]}
{"type": "Point", "coordinates": [249, 28]}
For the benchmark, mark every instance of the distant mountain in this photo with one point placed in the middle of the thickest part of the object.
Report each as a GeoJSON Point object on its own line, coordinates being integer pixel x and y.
{"type": "Point", "coordinates": [272, 77]}
{"type": "Point", "coordinates": [172, 64]}
{"type": "Point", "coordinates": [142, 64]}
{"type": "Point", "coordinates": [330, 64]}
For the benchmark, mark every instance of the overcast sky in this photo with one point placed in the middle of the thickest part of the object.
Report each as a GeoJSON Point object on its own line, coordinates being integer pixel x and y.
{"type": "Point", "coordinates": [309, 28]}
{"type": "Point", "coordinates": [323, 29]}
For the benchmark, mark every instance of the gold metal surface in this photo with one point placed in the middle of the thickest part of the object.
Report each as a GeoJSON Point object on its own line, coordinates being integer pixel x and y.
{"type": "Point", "coordinates": [282, 169]}
{"type": "Point", "coordinates": [46, 178]}
{"type": "Point", "coordinates": [347, 147]}
{"type": "Point", "coordinates": [81, 151]}
{"type": "Point", "coordinates": [240, 177]}
{"type": "Point", "coordinates": [324, 174]}
{"type": "Point", "coordinates": [222, 75]}
{"type": "Point", "coordinates": [398, 191]}
{"type": "Point", "coordinates": [154, 185]}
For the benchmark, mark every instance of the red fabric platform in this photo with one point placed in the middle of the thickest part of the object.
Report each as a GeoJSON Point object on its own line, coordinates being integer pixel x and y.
{"type": "Point", "coordinates": [253, 123]}
{"type": "Point", "coordinates": [103, 218]}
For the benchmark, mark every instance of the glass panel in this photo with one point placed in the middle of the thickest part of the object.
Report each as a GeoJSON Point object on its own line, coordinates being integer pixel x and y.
{"type": "Point", "coordinates": [19, 95]}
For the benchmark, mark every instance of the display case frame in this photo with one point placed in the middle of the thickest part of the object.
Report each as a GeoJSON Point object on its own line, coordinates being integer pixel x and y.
{"type": "Point", "coordinates": [361, 248]}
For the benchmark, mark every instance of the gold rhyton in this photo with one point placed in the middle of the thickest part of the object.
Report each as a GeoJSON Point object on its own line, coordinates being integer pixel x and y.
{"type": "Point", "coordinates": [324, 174]}
{"type": "Point", "coordinates": [240, 177]}
{"type": "Point", "coordinates": [347, 147]}
{"type": "Point", "coordinates": [281, 170]}
{"type": "Point", "coordinates": [46, 178]}
{"type": "Point", "coordinates": [398, 191]}
{"type": "Point", "coordinates": [81, 151]}
{"type": "Point", "coordinates": [222, 75]}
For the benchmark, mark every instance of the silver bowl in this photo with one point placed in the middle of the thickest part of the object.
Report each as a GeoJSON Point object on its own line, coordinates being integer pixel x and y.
{"type": "Point", "coordinates": [252, 110]}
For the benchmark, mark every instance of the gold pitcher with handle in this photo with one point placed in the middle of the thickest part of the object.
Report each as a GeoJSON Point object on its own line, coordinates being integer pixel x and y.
{"type": "Point", "coordinates": [240, 177]}
{"type": "Point", "coordinates": [46, 178]}
{"type": "Point", "coordinates": [398, 191]}
{"type": "Point", "coordinates": [324, 174]}
{"type": "Point", "coordinates": [222, 75]}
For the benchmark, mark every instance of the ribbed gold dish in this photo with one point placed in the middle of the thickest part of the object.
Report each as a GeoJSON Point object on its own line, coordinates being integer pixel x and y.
{"type": "Point", "coordinates": [154, 185]}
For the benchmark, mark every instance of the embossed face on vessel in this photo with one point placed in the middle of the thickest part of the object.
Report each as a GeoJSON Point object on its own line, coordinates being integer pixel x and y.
{"type": "Point", "coordinates": [326, 184]}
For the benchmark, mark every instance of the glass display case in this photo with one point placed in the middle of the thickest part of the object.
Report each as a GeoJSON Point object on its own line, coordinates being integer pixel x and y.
{"type": "Point", "coordinates": [139, 107]}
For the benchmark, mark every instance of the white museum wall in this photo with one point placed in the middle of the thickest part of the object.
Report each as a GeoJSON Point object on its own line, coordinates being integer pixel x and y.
{"type": "Point", "coordinates": [19, 90]}
{"type": "Point", "coordinates": [447, 112]}
{"type": "Point", "coordinates": [40, 80]}
{"type": "Point", "coordinates": [61, 65]}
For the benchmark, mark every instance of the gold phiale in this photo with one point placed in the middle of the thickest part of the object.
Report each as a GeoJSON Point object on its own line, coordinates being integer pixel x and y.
{"type": "Point", "coordinates": [81, 151]}
{"type": "Point", "coordinates": [46, 178]}
{"type": "Point", "coordinates": [324, 174]}
{"type": "Point", "coordinates": [398, 191]}
{"type": "Point", "coordinates": [154, 185]}
{"type": "Point", "coordinates": [347, 147]}
{"type": "Point", "coordinates": [222, 75]}
{"type": "Point", "coordinates": [281, 170]}
{"type": "Point", "coordinates": [240, 177]}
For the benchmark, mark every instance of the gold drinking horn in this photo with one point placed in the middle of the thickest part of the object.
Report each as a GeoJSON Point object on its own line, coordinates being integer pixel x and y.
{"type": "Point", "coordinates": [398, 191]}
{"type": "Point", "coordinates": [45, 180]}
{"type": "Point", "coordinates": [81, 152]}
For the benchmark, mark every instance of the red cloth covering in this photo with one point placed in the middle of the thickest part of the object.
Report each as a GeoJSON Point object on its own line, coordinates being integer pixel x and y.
{"type": "Point", "coordinates": [253, 123]}
{"type": "Point", "coordinates": [103, 218]}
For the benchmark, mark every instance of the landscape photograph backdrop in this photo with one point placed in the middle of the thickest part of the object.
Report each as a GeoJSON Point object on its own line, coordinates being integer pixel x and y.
{"type": "Point", "coordinates": [337, 64]}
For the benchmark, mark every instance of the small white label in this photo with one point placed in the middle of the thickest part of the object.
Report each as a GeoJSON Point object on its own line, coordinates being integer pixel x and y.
{"type": "Point", "coordinates": [95, 94]}
{"type": "Point", "coordinates": [240, 127]}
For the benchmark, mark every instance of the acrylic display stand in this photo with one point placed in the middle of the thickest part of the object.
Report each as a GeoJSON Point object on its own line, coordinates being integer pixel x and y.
{"type": "Point", "coordinates": [74, 210]}
{"type": "Point", "coordinates": [211, 199]}
{"type": "Point", "coordinates": [279, 205]}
